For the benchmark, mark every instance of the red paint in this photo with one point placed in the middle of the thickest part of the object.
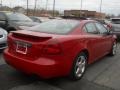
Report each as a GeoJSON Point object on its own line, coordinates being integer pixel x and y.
{"type": "Point", "coordinates": [50, 55]}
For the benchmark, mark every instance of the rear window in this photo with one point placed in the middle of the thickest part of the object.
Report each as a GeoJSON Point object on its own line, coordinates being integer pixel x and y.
{"type": "Point", "coordinates": [56, 26]}
{"type": "Point", "coordinates": [18, 17]}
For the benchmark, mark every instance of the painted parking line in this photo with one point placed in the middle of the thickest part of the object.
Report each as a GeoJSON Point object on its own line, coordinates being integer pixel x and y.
{"type": "Point", "coordinates": [36, 86]}
{"type": "Point", "coordinates": [13, 80]}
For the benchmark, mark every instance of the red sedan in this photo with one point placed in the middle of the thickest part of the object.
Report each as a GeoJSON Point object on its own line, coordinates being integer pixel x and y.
{"type": "Point", "coordinates": [59, 47]}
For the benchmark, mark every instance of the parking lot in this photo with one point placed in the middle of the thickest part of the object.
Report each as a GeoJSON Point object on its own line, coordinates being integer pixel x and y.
{"type": "Point", "coordinates": [102, 75]}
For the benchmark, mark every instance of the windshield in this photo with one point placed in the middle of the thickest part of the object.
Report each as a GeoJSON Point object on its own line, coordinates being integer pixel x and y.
{"type": "Point", "coordinates": [56, 26]}
{"type": "Point", "coordinates": [18, 17]}
{"type": "Point", "coordinates": [116, 21]}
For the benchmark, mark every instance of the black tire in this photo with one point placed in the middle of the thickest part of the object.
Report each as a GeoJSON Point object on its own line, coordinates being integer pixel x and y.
{"type": "Point", "coordinates": [114, 49]}
{"type": "Point", "coordinates": [74, 75]}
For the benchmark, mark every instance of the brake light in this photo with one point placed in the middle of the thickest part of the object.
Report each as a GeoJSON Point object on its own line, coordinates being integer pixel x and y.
{"type": "Point", "coordinates": [52, 48]}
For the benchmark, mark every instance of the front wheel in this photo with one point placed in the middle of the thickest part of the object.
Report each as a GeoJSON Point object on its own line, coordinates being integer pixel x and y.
{"type": "Point", "coordinates": [114, 49]}
{"type": "Point", "coordinates": [79, 66]}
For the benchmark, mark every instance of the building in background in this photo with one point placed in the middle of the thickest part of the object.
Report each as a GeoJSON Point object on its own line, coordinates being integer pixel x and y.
{"type": "Point", "coordinates": [84, 13]}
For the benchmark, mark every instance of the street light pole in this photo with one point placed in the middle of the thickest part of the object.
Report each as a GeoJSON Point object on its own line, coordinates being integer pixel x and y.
{"type": "Point", "coordinates": [46, 6]}
{"type": "Point", "coordinates": [27, 7]}
{"type": "Point", "coordinates": [100, 6]}
{"type": "Point", "coordinates": [1, 3]}
{"type": "Point", "coordinates": [81, 8]}
{"type": "Point", "coordinates": [53, 8]}
{"type": "Point", "coordinates": [81, 4]}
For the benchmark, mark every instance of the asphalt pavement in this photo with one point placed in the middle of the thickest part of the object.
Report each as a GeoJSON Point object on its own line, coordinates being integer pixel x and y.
{"type": "Point", "coordinates": [102, 75]}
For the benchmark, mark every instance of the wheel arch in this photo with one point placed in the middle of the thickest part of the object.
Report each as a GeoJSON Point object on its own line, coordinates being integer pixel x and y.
{"type": "Point", "coordinates": [86, 53]}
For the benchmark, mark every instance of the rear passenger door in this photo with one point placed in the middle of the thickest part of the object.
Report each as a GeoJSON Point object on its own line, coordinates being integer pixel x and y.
{"type": "Point", "coordinates": [94, 41]}
{"type": "Point", "coordinates": [105, 37]}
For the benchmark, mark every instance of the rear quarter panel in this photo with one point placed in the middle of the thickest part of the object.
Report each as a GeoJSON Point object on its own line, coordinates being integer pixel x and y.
{"type": "Point", "coordinates": [73, 45]}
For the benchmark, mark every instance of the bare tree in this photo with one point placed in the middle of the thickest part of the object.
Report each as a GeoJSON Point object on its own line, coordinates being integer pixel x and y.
{"type": "Point", "coordinates": [35, 8]}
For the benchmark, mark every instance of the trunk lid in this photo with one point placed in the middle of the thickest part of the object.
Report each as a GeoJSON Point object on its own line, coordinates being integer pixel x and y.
{"type": "Point", "coordinates": [27, 44]}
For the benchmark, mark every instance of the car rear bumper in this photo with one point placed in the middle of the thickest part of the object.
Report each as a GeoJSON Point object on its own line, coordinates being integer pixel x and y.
{"type": "Point", "coordinates": [43, 67]}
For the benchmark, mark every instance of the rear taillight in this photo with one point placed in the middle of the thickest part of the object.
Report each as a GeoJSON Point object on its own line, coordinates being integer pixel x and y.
{"type": "Point", "coordinates": [109, 26]}
{"type": "Point", "coordinates": [52, 48]}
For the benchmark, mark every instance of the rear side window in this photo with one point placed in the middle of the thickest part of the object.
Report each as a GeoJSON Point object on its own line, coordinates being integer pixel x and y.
{"type": "Point", "coordinates": [90, 27]}
{"type": "Point", "coordinates": [101, 28]}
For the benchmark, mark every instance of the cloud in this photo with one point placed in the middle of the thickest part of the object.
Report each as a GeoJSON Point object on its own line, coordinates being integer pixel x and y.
{"type": "Point", "coordinates": [108, 6]}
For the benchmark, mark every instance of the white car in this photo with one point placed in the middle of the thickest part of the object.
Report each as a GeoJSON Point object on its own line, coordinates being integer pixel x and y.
{"type": "Point", "coordinates": [39, 19]}
{"type": "Point", "coordinates": [3, 39]}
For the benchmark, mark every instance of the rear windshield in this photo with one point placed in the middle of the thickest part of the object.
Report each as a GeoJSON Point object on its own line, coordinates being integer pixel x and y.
{"type": "Point", "coordinates": [18, 17]}
{"type": "Point", "coordinates": [56, 26]}
{"type": "Point", "coordinates": [116, 21]}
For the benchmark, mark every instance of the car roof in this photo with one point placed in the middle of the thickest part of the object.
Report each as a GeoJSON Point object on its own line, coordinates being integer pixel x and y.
{"type": "Point", "coordinates": [115, 18]}
{"type": "Point", "coordinates": [85, 21]}
{"type": "Point", "coordinates": [81, 19]}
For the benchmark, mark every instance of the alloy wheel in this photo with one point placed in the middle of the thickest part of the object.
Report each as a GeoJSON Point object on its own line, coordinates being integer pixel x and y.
{"type": "Point", "coordinates": [80, 66]}
{"type": "Point", "coordinates": [114, 48]}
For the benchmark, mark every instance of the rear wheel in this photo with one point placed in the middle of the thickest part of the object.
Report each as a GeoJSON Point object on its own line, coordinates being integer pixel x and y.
{"type": "Point", "coordinates": [114, 49]}
{"type": "Point", "coordinates": [79, 66]}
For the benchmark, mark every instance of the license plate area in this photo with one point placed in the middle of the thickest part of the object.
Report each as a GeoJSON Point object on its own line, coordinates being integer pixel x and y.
{"type": "Point", "coordinates": [21, 47]}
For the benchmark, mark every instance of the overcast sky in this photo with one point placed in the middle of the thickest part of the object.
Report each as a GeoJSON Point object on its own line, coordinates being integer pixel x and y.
{"type": "Point", "coordinates": [108, 6]}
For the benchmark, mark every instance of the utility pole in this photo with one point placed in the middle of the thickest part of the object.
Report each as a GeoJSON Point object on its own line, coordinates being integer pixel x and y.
{"type": "Point", "coordinates": [54, 8]}
{"type": "Point", "coordinates": [1, 5]}
{"type": "Point", "coordinates": [81, 8]}
{"type": "Point", "coordinates": [35, 8]}
{"type": "Point", "coordinates": [46, 6]}
{"type": "Point", "coordinates": [40, 7]}
{"type": "Point", "coordinates": [27, 7]}
{"type": "Point", "coordinates": [100, 6]}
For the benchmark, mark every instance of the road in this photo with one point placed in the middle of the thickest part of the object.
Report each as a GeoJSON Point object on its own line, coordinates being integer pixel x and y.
{"type": "Point", "coordinates": [102, 75]}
